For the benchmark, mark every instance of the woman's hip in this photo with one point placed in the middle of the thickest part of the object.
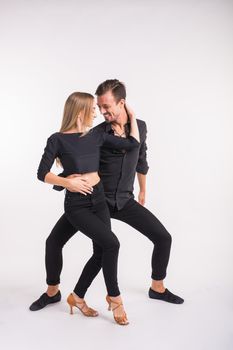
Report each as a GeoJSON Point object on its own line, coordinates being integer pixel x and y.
{"type": "Point", "coordinates": [77, 200]}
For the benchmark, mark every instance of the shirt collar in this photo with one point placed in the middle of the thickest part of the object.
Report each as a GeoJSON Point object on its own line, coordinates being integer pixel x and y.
{"type": "Point", "coordinates": [108, 127]}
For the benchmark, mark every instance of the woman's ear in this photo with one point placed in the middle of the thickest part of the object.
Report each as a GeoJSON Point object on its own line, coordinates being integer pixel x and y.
{"type": "Point", "coordinates": [79, 120]}
{"type": "Point", "coordinates": [80, 117]}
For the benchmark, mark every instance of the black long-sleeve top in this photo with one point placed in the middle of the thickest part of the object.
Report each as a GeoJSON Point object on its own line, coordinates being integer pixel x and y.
{"type": "Point", "coordinates": [117, 168]}
{"type": "Point", "coordinates": [80, 153]}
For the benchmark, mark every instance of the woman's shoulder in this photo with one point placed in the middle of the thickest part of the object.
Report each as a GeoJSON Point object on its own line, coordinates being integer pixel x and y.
{"type": "Point", "coordinates": [54, 137]}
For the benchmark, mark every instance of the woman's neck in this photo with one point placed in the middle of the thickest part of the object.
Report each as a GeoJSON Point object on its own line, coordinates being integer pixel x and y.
{"type": "Point", "coordinates": [75, 130]}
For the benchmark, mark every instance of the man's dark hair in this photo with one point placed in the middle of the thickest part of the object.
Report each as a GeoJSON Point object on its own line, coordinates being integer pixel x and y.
{"type": "Point", "coordinates": [115, 86]}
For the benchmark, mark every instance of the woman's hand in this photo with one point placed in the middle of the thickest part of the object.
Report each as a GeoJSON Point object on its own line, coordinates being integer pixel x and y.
{"type": "Point", "coordinates": [78, 183]}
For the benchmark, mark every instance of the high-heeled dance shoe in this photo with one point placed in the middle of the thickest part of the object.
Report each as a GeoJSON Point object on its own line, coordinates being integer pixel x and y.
{"type": "Point", "coordinates": [80, 305]}
{"type": "Point", "coordinates": [121, 320]}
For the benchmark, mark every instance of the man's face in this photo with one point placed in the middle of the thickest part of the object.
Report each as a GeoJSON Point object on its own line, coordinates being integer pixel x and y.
{"type": "Point", "coordinates": [109, 108]}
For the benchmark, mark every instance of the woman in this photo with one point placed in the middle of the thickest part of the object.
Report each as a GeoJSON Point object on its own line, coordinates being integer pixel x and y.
{"type": "Point", "coordinates": [77, 149]}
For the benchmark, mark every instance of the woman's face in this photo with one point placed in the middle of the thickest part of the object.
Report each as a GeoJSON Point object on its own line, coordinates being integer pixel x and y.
{"type": "Point", "coordinates": [89, 120]}
{"type": "Point", "coordinates": [93, 114]}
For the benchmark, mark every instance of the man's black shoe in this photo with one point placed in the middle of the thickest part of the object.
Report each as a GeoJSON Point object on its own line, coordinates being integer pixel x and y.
{"type": "Point", "coordinates": [165, 296]}
{"type": "Point", "coordinates": [44, 300]}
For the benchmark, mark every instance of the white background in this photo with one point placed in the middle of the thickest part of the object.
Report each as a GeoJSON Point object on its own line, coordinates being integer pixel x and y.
{"type": "Point", "coordinates": [176, 60]}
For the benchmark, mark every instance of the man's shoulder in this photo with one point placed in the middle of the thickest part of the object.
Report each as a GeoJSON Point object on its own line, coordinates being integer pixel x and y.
{"type": "Point", "coordinates": [141, 125]}
{"type": "Point", "coordinates": [141, 122]}
{"type": "Point", "coordinates": [100, 127]}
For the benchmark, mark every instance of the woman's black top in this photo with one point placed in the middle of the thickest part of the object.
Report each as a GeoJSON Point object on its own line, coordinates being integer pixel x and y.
{"type": "Point", "coordinates": [80, 154]}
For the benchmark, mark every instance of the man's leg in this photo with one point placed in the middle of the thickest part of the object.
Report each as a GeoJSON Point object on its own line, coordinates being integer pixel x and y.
{"type": "Point", "coordinates": [145, 222]}
{"type": "Point", "coordinates": [60, 234]}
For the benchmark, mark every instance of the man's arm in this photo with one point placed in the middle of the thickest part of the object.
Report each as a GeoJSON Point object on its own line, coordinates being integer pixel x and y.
{"type": "Point", "coordinates": [142, 165]}
{"type": "Point", "coordinates": [142, 188]}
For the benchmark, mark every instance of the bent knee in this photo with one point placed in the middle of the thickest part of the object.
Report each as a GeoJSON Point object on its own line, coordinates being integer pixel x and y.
{"type": "Point", "coordinates": [169, 238]}
{"type": "Point", "coordinates": [113, 244]}
{"type": "Point", "coordinates": [163, 238]}
{"type": "Point", "coordinates": [52, 243]}
{"type": "Point", "coordinates": [166, 239]}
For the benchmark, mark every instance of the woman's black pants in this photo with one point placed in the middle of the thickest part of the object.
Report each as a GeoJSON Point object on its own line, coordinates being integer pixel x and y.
{"type": "Point", "coordinates": [90, 215]}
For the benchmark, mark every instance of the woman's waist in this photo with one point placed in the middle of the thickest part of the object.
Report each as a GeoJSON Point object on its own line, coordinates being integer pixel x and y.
{"type": "Point", "coordinates": [98, 191]}
{"type": "Point", "coordinates": [92, 177]}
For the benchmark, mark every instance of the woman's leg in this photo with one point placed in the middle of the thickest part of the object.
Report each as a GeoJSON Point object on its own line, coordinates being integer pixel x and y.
{"type": "Point", "coordinates": [91, 225]}
{"type": "Point", "coordinates": [106, 248]}
{"type": "Point", "coordinates": [94, 264]}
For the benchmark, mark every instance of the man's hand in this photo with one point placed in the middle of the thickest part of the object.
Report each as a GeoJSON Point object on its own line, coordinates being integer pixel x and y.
{"type": "Point", "coordinates": [141, 197]}
{"type": "Point", "coordinates": [80, 184]}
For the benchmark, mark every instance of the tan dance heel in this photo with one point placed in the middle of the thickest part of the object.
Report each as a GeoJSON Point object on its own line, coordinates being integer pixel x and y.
{"type": "Point", "coordinates": [121, 320]}
{"type": "Point", "coordinates": [80, 305]}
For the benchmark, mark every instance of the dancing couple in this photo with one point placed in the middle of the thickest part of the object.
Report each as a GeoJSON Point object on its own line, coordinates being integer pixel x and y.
{"type": "Point", "coordinates": [99, 167]}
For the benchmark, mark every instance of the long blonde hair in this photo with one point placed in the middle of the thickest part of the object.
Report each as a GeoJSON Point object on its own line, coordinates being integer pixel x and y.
{"type": "Point", "coordinates": [76, 103]}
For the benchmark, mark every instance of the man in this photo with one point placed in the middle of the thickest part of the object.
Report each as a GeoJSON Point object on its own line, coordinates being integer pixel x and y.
{"type": "Point", "coordinates": [117, 172]}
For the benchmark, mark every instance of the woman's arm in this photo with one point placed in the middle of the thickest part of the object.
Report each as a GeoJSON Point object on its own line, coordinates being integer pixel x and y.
{"type": "Point", "coordinates": [133, 141]}
{"type": "Point", "coordinates": [117, 142]}
{"type": "Point", "coordinates": [133, 123]}
{"type": "Point", "coordinates": [75, 184]}
{"type": "Point", "coordinates": [48, 157]}
{"type": "Point", "coordinates": [44, 174]}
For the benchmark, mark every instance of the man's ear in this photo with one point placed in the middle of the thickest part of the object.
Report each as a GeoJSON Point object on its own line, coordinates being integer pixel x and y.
{"type": "Point", "coordinates": [122, 103]}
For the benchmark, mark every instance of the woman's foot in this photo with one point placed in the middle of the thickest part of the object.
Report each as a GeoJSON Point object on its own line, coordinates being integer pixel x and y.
{"type": "Point", "coordinates": [115, 304]}
{"type": "Point", "coordinates": [74, 301]}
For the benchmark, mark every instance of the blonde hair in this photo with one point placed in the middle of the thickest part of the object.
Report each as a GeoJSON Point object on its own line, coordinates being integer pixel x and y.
{"type": "Point", "coordinates": [76, 103]}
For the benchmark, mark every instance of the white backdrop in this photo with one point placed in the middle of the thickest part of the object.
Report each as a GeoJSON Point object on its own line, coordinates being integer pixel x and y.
{"type": "Point", "coordinates": [176, 60]}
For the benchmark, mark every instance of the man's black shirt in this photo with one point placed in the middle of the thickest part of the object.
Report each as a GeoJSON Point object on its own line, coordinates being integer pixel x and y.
{"type": "Point", "coordinates": [117, 168]}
